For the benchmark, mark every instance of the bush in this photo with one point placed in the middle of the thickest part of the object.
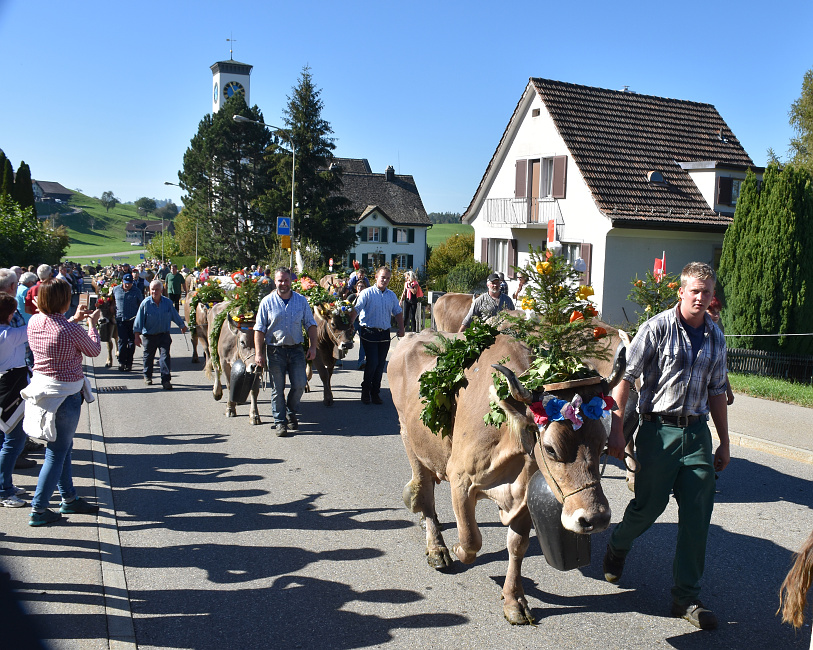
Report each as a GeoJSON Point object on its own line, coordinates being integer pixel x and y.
{"type": "Point", "coordinates": [446, 256]}
{"type": "Point", "coordinates": [468, 277]}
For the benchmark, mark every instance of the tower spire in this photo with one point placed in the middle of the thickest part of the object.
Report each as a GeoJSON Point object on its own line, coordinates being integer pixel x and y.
{"type": "Point", "coordinates": [230, 41]}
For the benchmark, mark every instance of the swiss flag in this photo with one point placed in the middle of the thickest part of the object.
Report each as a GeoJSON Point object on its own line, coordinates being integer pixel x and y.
{"type": "Point", "coordinates": [658, 270]}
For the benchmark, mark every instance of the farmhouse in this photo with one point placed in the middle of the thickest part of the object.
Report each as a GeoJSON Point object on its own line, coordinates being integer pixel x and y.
{"type": "Point", "coordinates": [392, 225]}
{"type": "Point", "coordinates": [614, 177]}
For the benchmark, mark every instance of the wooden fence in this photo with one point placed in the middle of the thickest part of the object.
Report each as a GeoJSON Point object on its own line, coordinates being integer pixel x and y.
{"type": "Point", "coordinates": [794, 367]}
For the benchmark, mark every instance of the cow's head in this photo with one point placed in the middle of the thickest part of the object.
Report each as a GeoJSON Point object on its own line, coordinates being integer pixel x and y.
{"type": "Point", "coordinates": [243, 332]}
{"type": "Point", "coordinates": [568, 458]}
{"type": "Point", "coordinates": [338, 327]}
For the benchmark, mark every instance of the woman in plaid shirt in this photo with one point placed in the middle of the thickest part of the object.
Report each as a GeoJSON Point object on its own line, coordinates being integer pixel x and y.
{"type": "Point", "coordinates": [58, 344]}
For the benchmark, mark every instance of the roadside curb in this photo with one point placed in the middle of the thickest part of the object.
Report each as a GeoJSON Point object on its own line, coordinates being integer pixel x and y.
{"type": "Point", "coordinates": [767, 446]}
{"type": "Point", "coordinates": [121, 632]}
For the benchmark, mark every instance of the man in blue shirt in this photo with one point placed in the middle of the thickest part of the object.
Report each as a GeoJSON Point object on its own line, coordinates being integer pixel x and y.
{"type": "Point", "coordinates": [278, 346]}
{"type": "Point", "coordinates": [376, 307]}
{"type": "Point", "coordinates": [680, 356]}
{"type": "Point", "coordinates": [128, 299]}
{"type": "Point", "coordinates": [154, 318]}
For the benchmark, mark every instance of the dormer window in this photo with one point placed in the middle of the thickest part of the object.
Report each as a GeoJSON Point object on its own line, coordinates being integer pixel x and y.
{"type": "Point", "coordinates": [728, 190]}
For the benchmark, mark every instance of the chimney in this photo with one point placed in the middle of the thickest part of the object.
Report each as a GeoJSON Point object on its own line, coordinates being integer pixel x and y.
{"type": "Point", "coordinates": [389, 175]}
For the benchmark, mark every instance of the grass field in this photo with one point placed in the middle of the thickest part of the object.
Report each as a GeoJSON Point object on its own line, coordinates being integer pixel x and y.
{"type": "Point", "coordinates": [440, 232]}
{"type": "Point", "coordinates": [777, 390]}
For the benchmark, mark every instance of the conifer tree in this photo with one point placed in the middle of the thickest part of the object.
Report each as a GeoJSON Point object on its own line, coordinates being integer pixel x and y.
{"type": "Point", "coordinates": [2, 171]}
{"type": "Point", "coordinates": [7, 179]}
{"type": "Point", "coordinates": [323, 217]}
{"type": "Point", "coordinates": [23, 192]}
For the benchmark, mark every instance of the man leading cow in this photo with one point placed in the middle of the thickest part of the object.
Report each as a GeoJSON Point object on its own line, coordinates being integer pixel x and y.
{"type": "Point", "coordinates": [278, 343]}
{"type": "Point", "coordinates": [489, 304]}
{"type": "Point", "coordinates": [681, 357]}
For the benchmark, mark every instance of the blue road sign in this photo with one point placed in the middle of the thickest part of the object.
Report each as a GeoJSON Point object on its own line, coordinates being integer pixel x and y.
{"type": "Point", "coordinates": [283, 225]}
{"type": "Point", "coordinates": [141, 256]}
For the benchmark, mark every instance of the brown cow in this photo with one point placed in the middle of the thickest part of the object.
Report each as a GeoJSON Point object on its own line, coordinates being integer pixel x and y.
{"type": "Point", "coordinates": [450, 310]}
{"type": "Point", "coordinates": [200, 333]}
{"type": "Point", "coordinates": [236, 342]}
{"type": "Point", "coordinates": [484, 462]}
{"type": "Point", "coordinates": [334, 337]}
{"type": "Point", "coordinates": [108, 310]}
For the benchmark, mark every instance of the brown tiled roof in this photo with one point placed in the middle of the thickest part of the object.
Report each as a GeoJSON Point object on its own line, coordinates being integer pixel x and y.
{"type": "Point", "coordinates": [353, 165]}
{"type": "Point", "coordinates": [617, 137]}
{"type": "Point", "coordinates": [51, 187]}
{"type": "Point", "coordinates": [398, 198]}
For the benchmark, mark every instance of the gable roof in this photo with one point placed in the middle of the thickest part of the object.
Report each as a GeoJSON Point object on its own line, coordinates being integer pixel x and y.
{"type": "Point", "coordinates": [50, 187]}
{"type": "Point", "coordinates": [616, 137]}
{"type": "Point", "coordinates": [397, 197]}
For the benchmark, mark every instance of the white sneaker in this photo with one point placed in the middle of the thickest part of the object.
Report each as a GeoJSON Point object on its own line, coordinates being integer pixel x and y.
{"type": "Point", "coordinates": [20, 491]}
{"type": "Point", "coordinates": [12, 502]}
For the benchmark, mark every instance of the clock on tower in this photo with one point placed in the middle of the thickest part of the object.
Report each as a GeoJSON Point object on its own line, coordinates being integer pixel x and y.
{"type": "Point", "coordinates": [229, 77]}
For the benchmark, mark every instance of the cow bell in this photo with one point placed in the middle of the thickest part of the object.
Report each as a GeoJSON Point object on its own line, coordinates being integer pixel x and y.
{"type": "Point", "coordinates": [241, 382]}
{"type": "Point", "coordinates": [563, 549]}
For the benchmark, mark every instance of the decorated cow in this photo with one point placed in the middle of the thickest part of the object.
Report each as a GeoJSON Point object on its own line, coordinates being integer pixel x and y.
{"type": "Point", "coordinates": [334, 337]}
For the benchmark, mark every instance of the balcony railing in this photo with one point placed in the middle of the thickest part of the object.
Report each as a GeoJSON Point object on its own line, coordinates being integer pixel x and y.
{"type": "Point", "coordinates": [522, 212]}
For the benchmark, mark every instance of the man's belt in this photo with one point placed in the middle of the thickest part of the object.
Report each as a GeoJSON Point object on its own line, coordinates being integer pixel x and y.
{"type": "Point", "coordinates": [376, 329]}
{"type": "Point", "coordinates": [287, 347]}
{"type": "Point", "coordinates": [681, 421]}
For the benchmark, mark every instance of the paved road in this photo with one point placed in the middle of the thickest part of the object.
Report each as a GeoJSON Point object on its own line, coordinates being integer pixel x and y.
{"type": "Point", "coordinates": [217, 534]}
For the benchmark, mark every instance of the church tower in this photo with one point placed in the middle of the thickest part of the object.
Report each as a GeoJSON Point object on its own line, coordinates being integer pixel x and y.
{"type": "Point", "coordinates": [229, 77]}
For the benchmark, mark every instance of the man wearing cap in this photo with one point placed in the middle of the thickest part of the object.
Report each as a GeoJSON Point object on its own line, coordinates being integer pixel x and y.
{"type": "Point", "coordinates": [128, 298]}
{"type": "Point", "coordinates": [488, 304]}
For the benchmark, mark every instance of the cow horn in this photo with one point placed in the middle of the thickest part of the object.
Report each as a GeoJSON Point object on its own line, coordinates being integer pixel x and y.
{"type": "Point", "coordinates": [234, 327]}
{"type": "Point", "coordinates": [518, 391]}
{"type": "Point", "coordinates": [619, 366]}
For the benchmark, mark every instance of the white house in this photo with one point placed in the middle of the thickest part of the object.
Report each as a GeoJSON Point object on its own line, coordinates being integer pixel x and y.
{"type": "Point", "coordinates": [616, 177]}
{"type": "Point", "coordinates": [393, 222]}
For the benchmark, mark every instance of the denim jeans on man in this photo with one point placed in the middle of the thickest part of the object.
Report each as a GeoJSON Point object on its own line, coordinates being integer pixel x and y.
{"type": "Point", "coordinates": [282, 360]}
{"type": "Point", "coordinates": [376, 345]}
{"type": "Point", "coordinates": [56, 468]}
{"type": "Point", "coordinates": [126, 341]}
{"type": "Point", "coordinates": [161, 343]}
{"type": "Point", "coordinates": [13, 444]}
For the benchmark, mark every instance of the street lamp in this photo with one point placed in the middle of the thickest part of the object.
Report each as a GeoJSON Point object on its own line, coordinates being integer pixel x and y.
{"type": "Point", "coordinates": [240, 118]}
{"type": "Point", "coordinates": [196, 226]}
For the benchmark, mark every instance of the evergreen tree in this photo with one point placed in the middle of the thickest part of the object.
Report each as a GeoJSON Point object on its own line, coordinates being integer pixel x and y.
{"type": "Point", "coordinates": [2, 171]}
{"type": "Point", "coordinates": [25, 239]}
{"type": "Point", "coordinates": [7, 181]}
{"type": "Point", "coordinates": [766, 272]}
{"type": "Point", "coordinates": [23, 192]}
{"type": "Point", "coordinates": [323, 216]}
{"type": "Point", "coordinates": [226, 168]}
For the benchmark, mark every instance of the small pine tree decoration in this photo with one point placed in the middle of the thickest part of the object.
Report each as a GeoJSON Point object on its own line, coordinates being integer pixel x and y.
{"type": "Point", "coordinates": [653, 295]}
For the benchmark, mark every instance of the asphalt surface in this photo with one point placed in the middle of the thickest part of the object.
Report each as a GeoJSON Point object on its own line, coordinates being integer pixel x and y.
{"type": "Point", "coordinates": [214, 533]}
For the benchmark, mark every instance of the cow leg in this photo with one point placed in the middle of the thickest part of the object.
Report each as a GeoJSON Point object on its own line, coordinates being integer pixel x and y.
{"type": "Point", "coordinates": [109, 354]}
{"type": "Point", "coordinates": [325, 373]}
{"type": "Point", "coordinates": [515, 608]}
{"type": "Point", "coordinates": [217, 391]}
{"type": "Point", "coordinates": [464, 502]}
{"type": "Point", "coordinates": [254, 411]}
{"type": "Point", "coordinates": [231, 409]}
{"type": "Point", "coordinates": [419, 497]}
{"type": "Point", "coordinates": [195, 358]}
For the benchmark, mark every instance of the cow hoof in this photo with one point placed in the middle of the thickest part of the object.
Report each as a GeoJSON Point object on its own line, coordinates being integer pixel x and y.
{"type": "Point", "coordinates": [439, 558]}
{"type": "Point", "coordinates": [518, 613]}
{"type": "Point", "coordinates": [328, 401]}
{"type": "Point", "coordinates": [195, 360]}
{"type": "Point", "coordinates": [231, 414]}
{"type": "Point", "coordinates": [463, 556]}
{"type": "Point", "coordinates": [108, 364]}
{"type": "Point", "coordinates": [254, 419]}
{"type": "Point", "coordinates": [217, 395]}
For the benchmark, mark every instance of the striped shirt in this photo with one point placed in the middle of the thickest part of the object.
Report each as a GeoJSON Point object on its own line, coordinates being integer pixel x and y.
{"type": "Point", "coordinates": [58, 346]}
{"type": "Point", "coordinates": [13, 338]}
{"type": "Point", "coordinates": [673, 384]}
{"type": "Point", "coordinates": [283, 323]}
{"type": "Point", "coordinates": [375, 308]}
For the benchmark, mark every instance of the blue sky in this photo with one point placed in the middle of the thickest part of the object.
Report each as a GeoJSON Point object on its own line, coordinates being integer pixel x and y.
{"type": "Point", "coordinates": [107, 95]}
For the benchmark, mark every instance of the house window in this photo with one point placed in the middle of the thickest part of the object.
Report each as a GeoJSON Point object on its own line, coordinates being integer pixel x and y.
{"type": "Point", "coordinates": [498, 255]}
{"type": "Point", "coordinates": [546, 182]}
{"type": "Point", "coordinates": [541, 178]}
{"type": "Point", "coordinates": [401, 236]}
{"type": "Point", "coordinates": [728, 190]}
{"type": "Point", "coordinates": [571, 252]}
{"type": "Point", "coordinates": [374, 234]}
{"type": "Point", "coordinates": [735, 190]}
{"type": "Point", "coordinates": [400, 261]}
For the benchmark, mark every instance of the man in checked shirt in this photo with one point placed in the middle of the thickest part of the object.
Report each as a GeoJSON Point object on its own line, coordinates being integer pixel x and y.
{"type": "Point", "coordinates": [680, 356]}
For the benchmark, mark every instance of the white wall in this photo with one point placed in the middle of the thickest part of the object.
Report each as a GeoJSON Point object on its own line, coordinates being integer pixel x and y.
{"type": "Point", "coordinates": [631, 252]}
{"type": "Point", "coordinates": [417, 249]}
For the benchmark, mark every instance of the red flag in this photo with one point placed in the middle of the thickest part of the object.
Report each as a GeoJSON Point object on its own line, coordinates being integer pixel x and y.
{"type": "Point", "coordinates": [658, 270]}
{"type": "Point", "coordinates": [551, 230]}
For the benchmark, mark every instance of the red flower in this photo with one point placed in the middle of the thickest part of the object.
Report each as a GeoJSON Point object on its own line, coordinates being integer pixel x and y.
{"type": "Point", "coordinates": [540, 416]}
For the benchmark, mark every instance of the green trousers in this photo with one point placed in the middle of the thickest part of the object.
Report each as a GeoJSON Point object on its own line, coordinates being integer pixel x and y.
{"type": "Point", "coordinates": [679, 460]}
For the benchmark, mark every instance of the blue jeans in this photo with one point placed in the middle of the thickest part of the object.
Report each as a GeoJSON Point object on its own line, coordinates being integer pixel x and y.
{"type": "Point", "coordinates": [361, 347]}
{"type": "Point", "coordinates": [56, 469]}
{"type": "Point", "coordinates": [376, 345]}
{"type": "Point", "coordinates": [161, 343]}
{"type": "Point", "coordinates": [281, 361]}
{"type": "Point", "coordinates": [126, 341]}
{"type": "Point", "coordinates": [13, 444]}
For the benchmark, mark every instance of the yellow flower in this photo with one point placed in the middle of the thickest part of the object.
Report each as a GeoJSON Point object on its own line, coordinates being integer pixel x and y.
{"type": "Point", "coordinates": [584, 292]}
{"type": "Point", "coordinates": [648, 308]}
{"type": "Point", "coordinates": [547, 267]}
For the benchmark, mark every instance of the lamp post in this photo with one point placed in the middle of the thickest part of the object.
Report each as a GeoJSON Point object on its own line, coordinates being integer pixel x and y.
{"type": "Point", "coordinates": [196, 226]}
{"type": "Point", "coordinates": [284, 133]}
